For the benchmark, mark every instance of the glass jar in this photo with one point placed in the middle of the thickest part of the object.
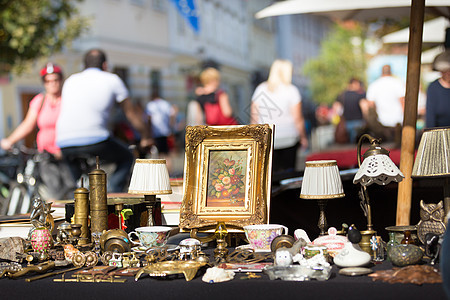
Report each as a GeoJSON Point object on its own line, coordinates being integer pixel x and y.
{"type": "Point", "coordinates": [391, 243]}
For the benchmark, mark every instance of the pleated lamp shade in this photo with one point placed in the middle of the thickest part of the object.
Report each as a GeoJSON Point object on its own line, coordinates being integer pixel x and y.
{"type": "Point", "coordinates": [433, 154]}
{"type": "Point", "coordinates": [321, 180]}
{"type": "Point", "coordinates": [150, 177]}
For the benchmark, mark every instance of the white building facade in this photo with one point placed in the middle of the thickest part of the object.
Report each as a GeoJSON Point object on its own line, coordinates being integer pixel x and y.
{"type": "Point", "coordinates": [152, 46]}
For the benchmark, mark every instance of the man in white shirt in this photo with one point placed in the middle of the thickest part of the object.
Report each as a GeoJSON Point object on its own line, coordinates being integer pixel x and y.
{"type": "Point", "coordinates": [387, 94]}
{"type": "Point", "coordinates": [87, 99]}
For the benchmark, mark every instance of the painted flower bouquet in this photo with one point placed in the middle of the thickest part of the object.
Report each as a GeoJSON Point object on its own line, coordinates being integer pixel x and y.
{"type": "Point", "coordinates": [227, 181]}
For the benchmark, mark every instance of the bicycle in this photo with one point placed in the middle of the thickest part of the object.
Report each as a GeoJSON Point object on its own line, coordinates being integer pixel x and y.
{"type": "Point", "coordinates": [29, 183]}
{"type": "Point", "coordinates": [8, 168]}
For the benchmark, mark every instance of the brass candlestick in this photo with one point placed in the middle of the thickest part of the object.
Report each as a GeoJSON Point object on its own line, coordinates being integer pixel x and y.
{"type": "Point", "coordinates": [221, 252]}
{"type": "Point", "coordinates": [322, 224]}
{"type": "Point", "coordinates": [119, 207]}
{"type": "Point", "coordinates": [153, 204]}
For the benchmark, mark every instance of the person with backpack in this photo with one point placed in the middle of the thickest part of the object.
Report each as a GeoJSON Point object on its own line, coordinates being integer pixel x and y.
{"type": "Point", "coordinates": [214, 101]}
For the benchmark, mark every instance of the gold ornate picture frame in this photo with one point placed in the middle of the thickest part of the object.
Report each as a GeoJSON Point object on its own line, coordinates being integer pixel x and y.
{"type": "Point", "coordinates": [227, 175]}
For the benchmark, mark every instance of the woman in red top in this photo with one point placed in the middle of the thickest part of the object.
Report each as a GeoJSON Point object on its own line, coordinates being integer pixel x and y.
{"type": "Point", "coordinates": [43, 113]}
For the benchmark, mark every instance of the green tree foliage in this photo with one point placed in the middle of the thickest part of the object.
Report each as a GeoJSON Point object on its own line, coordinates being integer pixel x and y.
{"type": "Point", "coordinates": [30, 29]}
{"type": "Point", "coordinates": [339, 60]}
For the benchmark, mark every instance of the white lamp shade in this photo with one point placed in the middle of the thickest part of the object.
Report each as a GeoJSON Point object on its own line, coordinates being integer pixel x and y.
{"type": "Point", "coordinates": [321, 180]}
{"type": "Point", "coordinates": [150, 177]}
{"type": "Point", "coordinates": [433, 154]}
{"type": "Point", "coordinates": [377, 169]}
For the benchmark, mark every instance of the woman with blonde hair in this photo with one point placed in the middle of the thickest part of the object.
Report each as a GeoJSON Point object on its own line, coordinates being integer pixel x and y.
{"type": "Point", "coordinates": [213, 100]}
{"type": "Point", "coordinates": [277, 101]}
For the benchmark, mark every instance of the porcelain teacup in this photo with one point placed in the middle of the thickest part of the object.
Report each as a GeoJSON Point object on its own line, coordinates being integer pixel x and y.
{"type": "Point", "coordinates": [261, 236]}
{"type": "Point", "coordinates": [151, 236]}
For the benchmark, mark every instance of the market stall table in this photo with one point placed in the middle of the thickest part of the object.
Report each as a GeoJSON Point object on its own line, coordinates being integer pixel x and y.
{"type": "Point", "coordinates": [337, 287]}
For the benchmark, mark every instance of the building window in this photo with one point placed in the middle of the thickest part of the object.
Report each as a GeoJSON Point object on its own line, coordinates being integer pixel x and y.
{"type": "Point", "coordinates": [155, 82]}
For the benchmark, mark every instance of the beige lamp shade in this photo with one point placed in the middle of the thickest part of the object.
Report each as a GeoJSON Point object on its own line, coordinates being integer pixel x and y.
{"type": "Point", "coordinates": [150, 177]}
{"type": "Point", "coordinates": [433, 154]}
{"type": "Point", "coordinates": [321, 180]}
{"type": "Point", "coordinates": [379, 169]}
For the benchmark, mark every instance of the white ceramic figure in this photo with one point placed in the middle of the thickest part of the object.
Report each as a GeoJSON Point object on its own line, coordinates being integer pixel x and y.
{"type": "Point", "coordinates": [317, 260]}
{"type": "Point", "coordinates": [352, 256]}
{"type": "Point", "coordinates": [300, 233]}
{"type": "Point", "coordinates": [283, 257]}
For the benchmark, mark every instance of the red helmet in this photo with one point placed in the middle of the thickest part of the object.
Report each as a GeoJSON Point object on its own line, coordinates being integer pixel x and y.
{"type": "Point", "coordinates": [50, 68]}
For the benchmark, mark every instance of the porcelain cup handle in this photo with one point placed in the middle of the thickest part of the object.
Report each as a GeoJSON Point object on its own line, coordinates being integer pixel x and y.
{"type": "Point", "coordinates": [131, 240]}
{"type": "Point", "coordinates": [285, 229]}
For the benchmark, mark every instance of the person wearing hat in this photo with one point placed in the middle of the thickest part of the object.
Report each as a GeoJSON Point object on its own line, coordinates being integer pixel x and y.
{"type": "Point", "coordinates": [43, 113]}
{"type": "Point", "coordinates": [438, 94]}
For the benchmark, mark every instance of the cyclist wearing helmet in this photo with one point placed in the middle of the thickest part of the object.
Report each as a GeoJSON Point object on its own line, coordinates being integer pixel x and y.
{"type": "Point", "coordinates": [43, 113]}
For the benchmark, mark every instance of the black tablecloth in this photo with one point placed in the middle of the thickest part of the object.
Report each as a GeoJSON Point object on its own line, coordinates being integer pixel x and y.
{"type": "Point", "coordinates": [337, 287]}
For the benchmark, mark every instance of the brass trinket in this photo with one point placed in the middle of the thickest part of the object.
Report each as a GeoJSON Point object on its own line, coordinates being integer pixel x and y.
{"type": "Point", "coordinates": [98, 199]}
{"type": "Point", "coordinates": [187, 268]}
{"type": "Point", "coordinates": [81, 215]}
{"type": "Point", "coordinates": [115, 240]}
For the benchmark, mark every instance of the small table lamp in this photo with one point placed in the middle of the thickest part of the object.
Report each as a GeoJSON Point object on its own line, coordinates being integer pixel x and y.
{"type": "Point", "coordinates": [150, 178]}
{"type": "Point", "coordinates": [433, 159]}
{"type": "Point", "coordinates": [321, 181]}
{"type": "Point", "coordinates": [377, 168]}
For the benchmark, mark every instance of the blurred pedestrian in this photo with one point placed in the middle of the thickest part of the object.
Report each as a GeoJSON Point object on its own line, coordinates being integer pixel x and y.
{"type": "Point", "coordinates": [162, 117]}
{"type": "Point", "coordinates": [213, 100]}
{"type": "Point", "coordinates": [277, 101]}
{"type": "Point", "coordinates": [349, 103]}
{"type": "Point", "coordinates": [43, 113]}
{"type": "Point", "coordinates": [387, 95]}
{"type": "Point", "coordinates": [82, 128]}
{"type": "Point", "coordinates": [438, 94]}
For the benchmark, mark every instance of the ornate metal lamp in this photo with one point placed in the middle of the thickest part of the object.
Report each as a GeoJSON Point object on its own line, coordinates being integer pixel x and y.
{"type": "Point", "coordinates": [150, 178]}
{"type": "Point", "coordinates": [433, 159]}
{"type": "Point", "coordinates": [321, 181]}
{"type": "Point", "coordinates": [377, 168]}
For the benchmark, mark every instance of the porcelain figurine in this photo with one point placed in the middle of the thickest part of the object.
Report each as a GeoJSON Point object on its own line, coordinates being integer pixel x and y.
{"type": "Point", "coordinates": [317, 261]}
{"type": "Point", "coordinates": [300, 233]}
{"type": "Point", "coordinates": [352, 255]}
{"type": "Point", "coordinates": [285, 256]}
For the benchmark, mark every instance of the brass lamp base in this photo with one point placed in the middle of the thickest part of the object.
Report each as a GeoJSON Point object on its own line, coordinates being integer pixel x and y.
{"type": "Point", "coordinates": [366, 235]}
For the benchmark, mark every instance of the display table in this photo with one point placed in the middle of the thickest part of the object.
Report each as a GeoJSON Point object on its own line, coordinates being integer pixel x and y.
{"type": "Point", "coordinates": [337, 287]}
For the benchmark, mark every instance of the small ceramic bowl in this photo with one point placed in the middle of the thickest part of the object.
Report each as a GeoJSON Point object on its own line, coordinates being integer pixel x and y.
{"type": "Point", "coordinates": [404, 255]}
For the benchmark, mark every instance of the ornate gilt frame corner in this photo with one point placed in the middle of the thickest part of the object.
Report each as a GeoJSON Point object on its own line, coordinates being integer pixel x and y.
{"type": "Point", "coordinates": [252, 142]}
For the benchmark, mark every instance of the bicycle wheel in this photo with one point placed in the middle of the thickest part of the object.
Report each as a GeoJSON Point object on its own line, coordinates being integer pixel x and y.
{"type": "Point", "coordinates": [18, 199]}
